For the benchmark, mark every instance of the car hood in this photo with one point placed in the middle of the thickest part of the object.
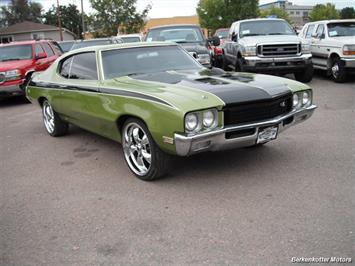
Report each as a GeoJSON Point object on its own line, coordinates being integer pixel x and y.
{"type": "Point", "coordinates": [18, 64]}
{"type": "Point", "coordinates": [191, 90]}
{"type": "Point", "coordinates": [255, 40]}
{"type": "Point", "coordinates": [195, 47]}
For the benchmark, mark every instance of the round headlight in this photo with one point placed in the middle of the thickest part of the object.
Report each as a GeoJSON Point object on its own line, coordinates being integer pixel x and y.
{"type": "Point", "coordinates": [191, 122]}
{"type": "Point", "coordinates": [306, 98]}
{"type": "Point", "coordinates": [296, 100]}
{"type": "Point", "coordinates": [208, 118]}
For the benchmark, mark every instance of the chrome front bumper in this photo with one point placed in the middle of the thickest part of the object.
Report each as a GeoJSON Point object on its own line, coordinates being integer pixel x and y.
{"type": "Point", "coordinates": [246, 134]}
{"type": "Point", "coordinates": [349, 62]}
{"type": "Point", "coordinates": [253, 61]}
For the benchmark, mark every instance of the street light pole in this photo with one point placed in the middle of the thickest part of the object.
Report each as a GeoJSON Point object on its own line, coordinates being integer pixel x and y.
{"type": "Point", "coordinates": [82, 18]}
{"type": "Point", "coordinates": [59, 22]}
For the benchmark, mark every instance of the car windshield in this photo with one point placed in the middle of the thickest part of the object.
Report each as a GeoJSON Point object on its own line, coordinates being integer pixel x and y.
{"type": "Point", "coordinates": [130, 39]}
{"type": "Point", "coordinates": [145, 60]}
{"type": "Point", "coordinates": [222, 34]}
{"type": "Point", "coordinates": [179, 35]}
{"type": "Point", "coordinates": [66, 46]}
{"type": "Point", "coordinates": [265, 27]}
{"type": "Point", "coordinates": [341, 29]}
{"type": "Point", "coordinates": [15, 52]}
{"type": "Point", "coordinates": [90, 43]}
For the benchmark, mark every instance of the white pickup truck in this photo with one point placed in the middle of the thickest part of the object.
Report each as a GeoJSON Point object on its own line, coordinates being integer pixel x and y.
{"type": "Point", "coordinates": [267, 45]}
{"type": "Point", "coordinates": [332, 46]}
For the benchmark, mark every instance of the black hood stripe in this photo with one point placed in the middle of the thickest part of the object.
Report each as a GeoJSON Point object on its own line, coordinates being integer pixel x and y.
{"type": "Point", "coordinates": [111, 91]}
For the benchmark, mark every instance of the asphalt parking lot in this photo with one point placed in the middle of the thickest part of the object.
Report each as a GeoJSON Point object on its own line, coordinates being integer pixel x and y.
{"type": "Point", "coordinates": [72, 200]}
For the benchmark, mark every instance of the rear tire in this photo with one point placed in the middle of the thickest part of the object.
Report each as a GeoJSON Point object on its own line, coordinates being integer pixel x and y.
{"type": "Point", "coordinates": [305, 75]}
{"type": "Point", "coordinates": [225, 65]}
{"type": "Point", "coordinates": [338, 71]}
{"type": "Point", "coordinates": [143, 156]}
{"type": "Point", "coordinates": [54, 125]}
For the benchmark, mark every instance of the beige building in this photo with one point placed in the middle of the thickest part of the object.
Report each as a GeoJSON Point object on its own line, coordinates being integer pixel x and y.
{"type": "Point", "coordinates": [30, 31]}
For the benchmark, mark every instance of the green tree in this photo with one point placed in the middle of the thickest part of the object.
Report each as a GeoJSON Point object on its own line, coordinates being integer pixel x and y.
{"type": "Point", "coordinates": [323, 12]}
{"type": "Point", "coordinates": [347, 13]}
{"type": "Point", "coordinates": [214, 14]}
{"type": "Point", "coordinates": [274, 11]}
{"type": "Point", "coordinates": [112, 15]}
{"type": "Point", "coordinates": [70, 18]}
{"type": "Point", "coordinates": [19, 11]}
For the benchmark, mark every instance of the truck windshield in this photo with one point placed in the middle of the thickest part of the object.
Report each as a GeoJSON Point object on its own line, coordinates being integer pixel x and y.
{"type": "Point", "coordinates": [341, 29]}
{"type": "Point", "coordinates": [144, 60]}
{"type": "Point", "coordinates": [15, 52]}
{"type": "Point", "coordinates": [179, 35]}
{"type": "Point", "coordinates": [265, 27]}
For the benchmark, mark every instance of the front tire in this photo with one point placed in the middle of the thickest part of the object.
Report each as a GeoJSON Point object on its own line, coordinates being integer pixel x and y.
{"type": "Point", "coordinates": [54, 125]}
{"type": "Point", "coordinates": [338, 71]}
{"type": "Point", "coordinates": [142, 155]}
{"type": "Point", "coordinates": [239, 65]}
{"type": "Point", "coordinates": [305, 75]}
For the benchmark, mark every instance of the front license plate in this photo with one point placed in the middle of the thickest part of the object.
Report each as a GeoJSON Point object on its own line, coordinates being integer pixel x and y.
{"type": "Point", "coordinates": [267, 134]}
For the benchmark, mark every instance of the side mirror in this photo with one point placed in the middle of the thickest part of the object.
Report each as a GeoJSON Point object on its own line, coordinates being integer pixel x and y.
{"type": "Point", "coordinates": [235, 37]}
{"type": "Point", "coordinates": [41, 55]}
{"type": "Point", "coordinates": [215, 41]}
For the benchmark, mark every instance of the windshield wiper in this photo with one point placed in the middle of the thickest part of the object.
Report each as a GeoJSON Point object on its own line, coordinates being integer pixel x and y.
{"type": "Point", "coordinates": [279, 33]}
{"type": "Point", "coordinates": [252, 34]}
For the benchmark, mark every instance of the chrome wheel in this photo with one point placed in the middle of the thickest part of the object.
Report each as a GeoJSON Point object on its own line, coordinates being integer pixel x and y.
{"type": "Point", "coordinates": [137, 149]}
{"type": "Point", "coordinates": [48, 117]}
{"type": "Point", "coordinates": [335, 70]}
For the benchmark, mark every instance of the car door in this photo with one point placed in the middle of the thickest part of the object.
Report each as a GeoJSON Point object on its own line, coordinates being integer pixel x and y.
{"type": "Point", "coordinates": [79, 89]}
{"type": "Point", "coordinates": [41, 58]}
{"type": "Point", "coordinates": [51, 57]}
{"type": "Point", "coordinates": [318, 46]}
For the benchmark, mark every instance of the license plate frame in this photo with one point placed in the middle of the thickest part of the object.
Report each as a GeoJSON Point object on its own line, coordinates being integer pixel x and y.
{"type": "Point", "coordinates": [267, 134]}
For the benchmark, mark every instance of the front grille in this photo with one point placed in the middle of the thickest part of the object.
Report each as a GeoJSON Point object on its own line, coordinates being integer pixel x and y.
{"type": "Point", "coordinates": [271, 50]}
{"type": "Point", "coordinates": [257, 111]}
{"type": "Point", "coordinates": [2, 77]}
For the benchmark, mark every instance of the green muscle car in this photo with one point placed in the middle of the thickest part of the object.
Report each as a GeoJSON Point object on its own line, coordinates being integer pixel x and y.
{"type": "Point", "coordinates": [157, 100]}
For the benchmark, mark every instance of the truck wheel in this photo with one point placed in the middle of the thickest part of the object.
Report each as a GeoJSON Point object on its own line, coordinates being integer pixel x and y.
{"type": "Point", "coordinates": [338, 71]}
{"type": "Point", "coordinates": [305, 75]}
{"type": "Point", "coordinates": [54, 125]}
{"type": "Point", "coordinates": [142, 155]}
{"type": "Point", "coordinates": [239, 65]}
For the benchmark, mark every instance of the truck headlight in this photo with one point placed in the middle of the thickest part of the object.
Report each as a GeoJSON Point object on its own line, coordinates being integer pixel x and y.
{"type": "Point", "coordinates": [305, 48]}
{"type": "Point", "coordinates": [202, 120]}
{"type": "Point", "coordinates": [249, 51]}
{"type": "Point", "coordinates": [302, 99]}
{"type": "Point", "coordinates": [349, 50]}
{"type": "Point", "coordinates": [12, 74]}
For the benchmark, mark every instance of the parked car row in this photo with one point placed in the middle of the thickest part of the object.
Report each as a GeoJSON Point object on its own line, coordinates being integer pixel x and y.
{"type": "Point", "coordinates": [272, 46]}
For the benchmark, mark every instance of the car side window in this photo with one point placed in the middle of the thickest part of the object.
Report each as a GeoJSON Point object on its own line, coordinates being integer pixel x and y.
{"type": "Point", "coordinates": [65, 67]}
{"type": "Point", "coordinates": [309, 31]}
{"type": "Point", "coordinates": [80, 66]}
{"type": "Point", "coordinates": [39, 49]}
{"type": "Point", "coordinates": [320, 30]}
{"type": "Point", "coordinates": [48, 49]}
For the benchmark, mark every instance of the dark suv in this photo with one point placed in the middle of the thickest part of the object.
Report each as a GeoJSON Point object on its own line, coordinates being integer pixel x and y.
{"type": "Point", "coordinates": [19, 60]}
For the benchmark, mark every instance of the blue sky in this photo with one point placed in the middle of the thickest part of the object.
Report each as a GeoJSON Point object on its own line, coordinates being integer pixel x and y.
{"type": "Point", "coordinates": [169, 8]}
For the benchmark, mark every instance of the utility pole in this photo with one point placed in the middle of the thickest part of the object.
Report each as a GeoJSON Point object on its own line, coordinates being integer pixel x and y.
{"type": "Point", "coordinates": [82, 18]}
{"type": "Point", "coordinates": [59, 22]}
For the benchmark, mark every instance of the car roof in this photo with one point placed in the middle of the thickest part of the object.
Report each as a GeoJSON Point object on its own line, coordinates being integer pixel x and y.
{"type": "Point", "coordinates": [96, 39]}
{"type": "Point", "coordinates": [120, 46]}
{"type": "Point", "coordinates": [260, 19]}
{"type": "Point", "coordinates": [25, 42]}
{"type": "Point", "coordinates": [129, 35]}
{"type": "Point", "coordinates": [175, 25]}
{"type": "Point", "coordinates": [332, 21]}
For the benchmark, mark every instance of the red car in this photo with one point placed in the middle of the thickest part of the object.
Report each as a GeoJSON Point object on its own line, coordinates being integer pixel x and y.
{"type": "Point", "coordinates": [19, 60]}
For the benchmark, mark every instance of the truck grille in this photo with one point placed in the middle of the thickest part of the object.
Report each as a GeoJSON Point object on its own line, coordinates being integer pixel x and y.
{"type": "Point", "coordinates": [257, 111]}
{"type": "Point", "coordinates": [271, 50]}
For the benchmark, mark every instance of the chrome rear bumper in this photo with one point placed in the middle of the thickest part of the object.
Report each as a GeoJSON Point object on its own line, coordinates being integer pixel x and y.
{"type": "Point", "coordinates": [243, 135]}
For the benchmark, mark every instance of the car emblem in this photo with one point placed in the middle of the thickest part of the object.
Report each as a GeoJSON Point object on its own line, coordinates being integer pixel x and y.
{"type": "Point", "coordinates": [283, 104]}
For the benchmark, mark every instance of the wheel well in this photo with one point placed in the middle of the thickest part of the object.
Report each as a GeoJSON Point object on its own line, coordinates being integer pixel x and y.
{"type": "Point", "coordinates": [41, 100]}
{"type": "Point", "coordinates": [332, 57]}
{"type": "Point", "coordinates": [122, 119]}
